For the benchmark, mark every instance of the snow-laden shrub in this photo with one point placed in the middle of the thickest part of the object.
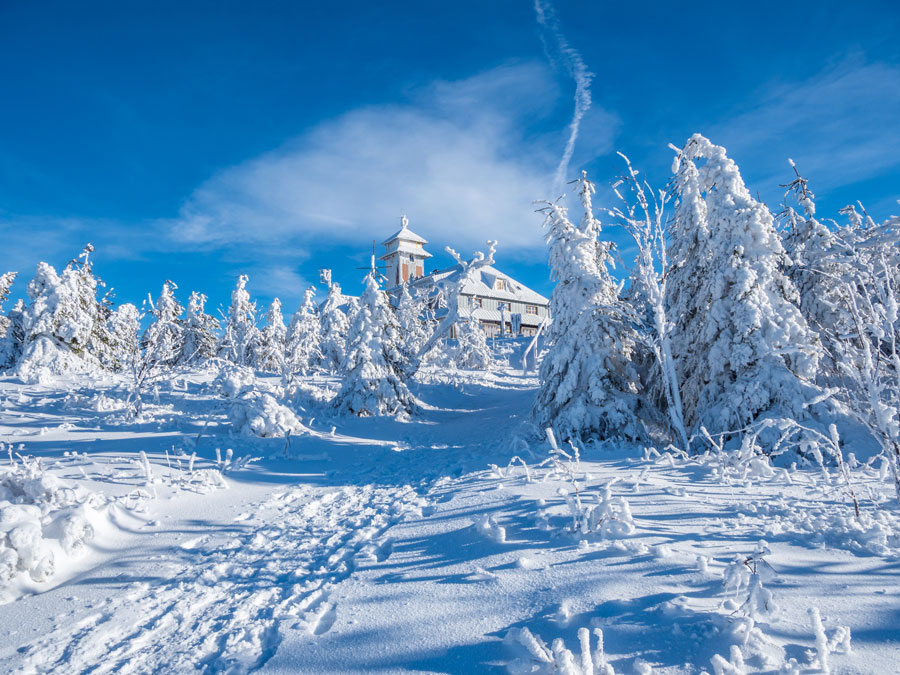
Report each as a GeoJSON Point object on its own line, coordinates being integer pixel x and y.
{"type": "Point", "coordinates": [534, 656]}
{"type": "Point", "coordinates": [471, 351]}
{"type": "Point", "coordinates": [232, 381]}
{"type": "Point", "coordinates": [602, 513]}
{"type": "Point", "coordinates": [261, 415]}
{"type": "Point", "coordinates": [39, 514]}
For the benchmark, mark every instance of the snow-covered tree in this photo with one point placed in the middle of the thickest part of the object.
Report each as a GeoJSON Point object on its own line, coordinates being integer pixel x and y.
{"type": "Point", "coordinates": [269, 353]}
{"type": "Point", "coordinates": [333, 342]}
{"type": "Point", "coordinates": [868, 355]}
{"type": "Point", "coordinates": [449, 293]}
{"type": "Point", "coordinates": [6, 282]}
{"type": "Point", "coordinates": [13, 341]}
{"type": "Point", "coordinates": [588, 383]}
{"type": "Point", "coordinates": [7, 342]}
{"type": "Point", "coordinates": [164, 338]}
{"type": "Point", "coordinates": [123, 326]}
{"type": "Point", "coordinates": [58, 323]}
{"type": "Point", "coordinates": [241, 334]}
{"type": "Point", "coordinates": [374, 381]}
{"type": "Point", "coordinates": [200, 332]}
{"type": "Point", "coordinates": [642, 214]}
{"type": "Point", "coordinates": [471, 351]}
{"type": "Point", "coordinates": [819, 262]}
{"type": "Point", "coordinates": [742, 347]}
{"type": "Point", "coordinates": [409, 316]}
{"type": "Point", "coordinates": [302, 350]}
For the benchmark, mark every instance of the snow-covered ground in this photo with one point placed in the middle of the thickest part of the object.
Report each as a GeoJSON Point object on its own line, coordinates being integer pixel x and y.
{"type": "Point", "coordinates": [382, 545]}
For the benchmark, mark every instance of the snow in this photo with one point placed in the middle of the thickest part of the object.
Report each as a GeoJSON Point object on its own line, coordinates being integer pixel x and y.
{"type": "Point", "coordinates": [455, 541]}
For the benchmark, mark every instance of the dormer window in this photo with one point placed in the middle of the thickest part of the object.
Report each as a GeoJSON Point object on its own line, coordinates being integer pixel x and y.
{"type": "Point", "coordinates": [500, 285]}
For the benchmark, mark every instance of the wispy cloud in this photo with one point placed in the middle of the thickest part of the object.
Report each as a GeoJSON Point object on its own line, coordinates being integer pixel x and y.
{"type": "Point", "coordinates": [840, 126]}
{"type": "Point", "coordinates": [459, 158]}
{"type": "Point", "coordinates": [574, 64]}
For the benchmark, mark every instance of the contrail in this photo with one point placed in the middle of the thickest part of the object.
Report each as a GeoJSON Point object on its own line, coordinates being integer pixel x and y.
{"type": "Point", "coordinates": [546, 17]}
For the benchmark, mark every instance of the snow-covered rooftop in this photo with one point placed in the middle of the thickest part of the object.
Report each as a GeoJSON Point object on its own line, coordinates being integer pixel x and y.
{"type": "Point", "coordinates": [406, 246]}
{"type": "Point", "coordinates": [405, 234]}
{"type": "Point", "coordinates": [484, 285]}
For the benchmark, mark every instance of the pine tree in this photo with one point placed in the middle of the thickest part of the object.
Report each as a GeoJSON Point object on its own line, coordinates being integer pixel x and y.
{"type": "Point", "coordinates": [742, 347]}
{"type": "Point", "coordinates": [373, 381]}
{"type": "Point", "coordinates": [588, 382]}
{"type": "Point", "coordinates": [269, 353]}
{"type": "Point", "coordinates": [163, 341]}
{"type": "Point", "coordinates": [241, 334]}
{"type": "Point", "coordinates": [333, 343]}
{"type": "Point", "coordinates": [302, 350]}
{"type": "Point", "coordinates": [200, 331]}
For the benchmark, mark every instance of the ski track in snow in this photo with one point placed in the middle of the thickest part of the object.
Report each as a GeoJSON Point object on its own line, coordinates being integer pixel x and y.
{"type": "Point", "coordinates": [224, 611]}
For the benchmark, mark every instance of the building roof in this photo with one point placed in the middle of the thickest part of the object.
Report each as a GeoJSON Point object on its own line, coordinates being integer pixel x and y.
{"type": "Point", "coordinates": [404, 234]}
{"type": "Point", "coordinates": [482, 284]}
{"type": "Point", "coordinates": [406, 246]}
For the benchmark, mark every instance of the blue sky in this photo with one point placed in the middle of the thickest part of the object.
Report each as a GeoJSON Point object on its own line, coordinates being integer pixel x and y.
{"type": "Point", "coordinates": [194, 141]}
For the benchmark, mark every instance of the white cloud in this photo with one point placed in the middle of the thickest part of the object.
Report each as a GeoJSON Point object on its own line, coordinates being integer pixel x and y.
{"type": "Point", "coordinates": [461, 159]}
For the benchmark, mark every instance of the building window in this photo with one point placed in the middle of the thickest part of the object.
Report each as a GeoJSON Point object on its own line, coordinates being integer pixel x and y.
{"type": "Point", "coordinates": [502, 305]}
{"type": "Point", "coordinates": [500, 285]}
{"type": "Point", "coordinates": [475, 303]}
{"type": "Point", "coordinates": [531, 309]}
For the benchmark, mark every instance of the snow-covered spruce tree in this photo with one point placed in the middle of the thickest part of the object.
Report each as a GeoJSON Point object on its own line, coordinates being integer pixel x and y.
{"type": "Point", "coordinates": [10, 334]}
{"type": "Point", "coordinates": [588, 382]}
{"type": "Point", "coordinates": [60, 331]}
{"type": "Point", "coordinates": [269, 352]}
{"type": "Point", "coordinates": [742, 347]}
{"type": "Point", "coordinates": [164, 338]}
{"type": "Point", "coordinates": [471, 351]}
{"type": "Point", "coordinates": [334, 323]}
{"type": "Point", "coordinates": [374, 381]}
{"type": "Point", "coordinates": [409, 316]}
{"type": "Point", "coordinates": [241, 334]}
{"type": "Point", "coordinates": [6, 282]}
{"type": "Point", "coordinates": [124, 328]}
{"type": "Point", "coordinates": [642, 214]}
{"type": "Point", "coordinates": [302, 352]}
{"type": "Point", "coordinates": [200, 332]}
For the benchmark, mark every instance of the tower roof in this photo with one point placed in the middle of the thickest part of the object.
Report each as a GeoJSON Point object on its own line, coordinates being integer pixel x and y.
{"type": "Point", "coordinates": [404, 234]}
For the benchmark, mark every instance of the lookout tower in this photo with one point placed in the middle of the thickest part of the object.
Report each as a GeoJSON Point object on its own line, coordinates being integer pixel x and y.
{"type": "Point", "coordinates": [404, 255]}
